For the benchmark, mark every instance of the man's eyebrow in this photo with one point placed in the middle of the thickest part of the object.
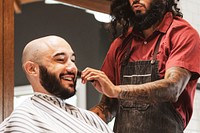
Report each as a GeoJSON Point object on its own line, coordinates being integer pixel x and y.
{"type": "Point", "coordinates": [62, 53]}
{"type": "Point", "coordinates": [58, 54]}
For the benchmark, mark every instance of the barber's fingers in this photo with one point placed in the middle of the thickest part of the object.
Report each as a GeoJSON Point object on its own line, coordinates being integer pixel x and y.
{"type": "Point", "coordinates": [100, 81]}
{"type": "Point", "coordinates": [90, 74]}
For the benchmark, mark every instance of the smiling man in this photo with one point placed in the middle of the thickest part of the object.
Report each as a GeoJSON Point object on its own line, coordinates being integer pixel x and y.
{"type": "Point", "coordinates": [49, 64]}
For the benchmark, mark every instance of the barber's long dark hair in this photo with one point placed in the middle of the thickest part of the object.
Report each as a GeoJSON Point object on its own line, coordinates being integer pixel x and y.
{"type": "Point", "coordinates": [121, 14]}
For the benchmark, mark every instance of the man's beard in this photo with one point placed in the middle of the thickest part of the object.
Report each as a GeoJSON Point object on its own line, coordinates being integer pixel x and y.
{"type": "Point", "coordinates": [153, 14]}
{"type": "Point", "coordinates": [53, 86]}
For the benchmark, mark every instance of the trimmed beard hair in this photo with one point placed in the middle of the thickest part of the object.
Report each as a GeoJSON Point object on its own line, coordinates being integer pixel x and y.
{"type": "Point", "coordinates": [154, 14]}
{"type": "Point", "coordinates": [53, 86]}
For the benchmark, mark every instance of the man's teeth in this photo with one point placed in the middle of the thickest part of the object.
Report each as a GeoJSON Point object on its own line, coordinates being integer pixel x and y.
{"type": "Point", "coordinates": [70, 79]}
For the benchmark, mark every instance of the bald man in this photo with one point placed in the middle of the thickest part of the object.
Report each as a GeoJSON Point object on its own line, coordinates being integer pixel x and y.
{"type": "Point", "coordinates": [49, 64]}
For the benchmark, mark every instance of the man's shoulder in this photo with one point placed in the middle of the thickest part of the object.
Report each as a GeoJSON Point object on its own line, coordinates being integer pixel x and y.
{"type": "Point", "coordinates": [120, 41]}
{"type": "Point", "coordinates": [179, 23]}
{"type": "Point", "coordinates": [25, 108]}
{"type": "Point", "coordinates": [20, 112]}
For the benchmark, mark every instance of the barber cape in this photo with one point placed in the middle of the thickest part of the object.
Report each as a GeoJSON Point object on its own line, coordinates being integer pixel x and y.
{"type": "Point", "coordinates": [42, 113]}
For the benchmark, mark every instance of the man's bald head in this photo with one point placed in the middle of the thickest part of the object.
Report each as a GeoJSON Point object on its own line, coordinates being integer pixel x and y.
{"type": "Point", "coordinates": [33, 50]}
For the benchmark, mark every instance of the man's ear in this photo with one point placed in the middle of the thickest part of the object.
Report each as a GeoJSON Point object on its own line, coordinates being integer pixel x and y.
{"type": "Point", "coordinates": [31, 68]}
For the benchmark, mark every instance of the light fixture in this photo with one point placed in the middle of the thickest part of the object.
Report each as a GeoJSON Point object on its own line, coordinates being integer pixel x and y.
{"type": "Point", "coordinates": [58, 2]}
{"type": "Point", "coordinates": [101, 17]}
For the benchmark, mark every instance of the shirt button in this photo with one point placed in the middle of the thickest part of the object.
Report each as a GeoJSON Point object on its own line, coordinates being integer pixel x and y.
{"type": "Point", "coordinates": [145, 42]}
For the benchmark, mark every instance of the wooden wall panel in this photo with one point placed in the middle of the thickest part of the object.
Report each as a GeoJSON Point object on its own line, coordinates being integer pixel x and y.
{"type": "Point", "coordinates": [6, 57]}
{"type": "Point", "coordinates": [1, 60]}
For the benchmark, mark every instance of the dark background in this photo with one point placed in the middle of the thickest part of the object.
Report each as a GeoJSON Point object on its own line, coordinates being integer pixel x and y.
{"type": "Point", "coordinates": [88, 38]}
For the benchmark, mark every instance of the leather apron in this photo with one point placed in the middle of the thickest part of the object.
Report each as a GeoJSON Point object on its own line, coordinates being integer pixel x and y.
{"type": "Point", "coordinates": [133, 117]}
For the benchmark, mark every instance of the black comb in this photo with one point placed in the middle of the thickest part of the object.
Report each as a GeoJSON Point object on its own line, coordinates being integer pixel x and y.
{"type": "Point", "coordinates": [78, 74]}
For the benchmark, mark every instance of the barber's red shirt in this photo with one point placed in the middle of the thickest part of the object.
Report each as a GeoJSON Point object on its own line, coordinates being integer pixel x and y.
{"type": "Point", "coordinates": [180, 46]}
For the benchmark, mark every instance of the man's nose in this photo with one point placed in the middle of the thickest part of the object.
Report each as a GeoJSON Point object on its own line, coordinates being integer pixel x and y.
{"type": "Point", "coordinates": [70, 66]}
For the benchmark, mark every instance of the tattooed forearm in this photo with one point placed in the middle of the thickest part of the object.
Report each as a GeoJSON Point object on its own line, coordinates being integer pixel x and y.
{"type": "Point", "coordinates": [167, 89]}
{"type": "Point", "coordinates": [106, 110]}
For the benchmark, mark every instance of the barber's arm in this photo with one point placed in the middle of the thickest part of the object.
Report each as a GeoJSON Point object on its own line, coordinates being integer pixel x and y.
{"type": "Point", "coordinates": [167, 89]}
{"type": "Point", "coordinates": [106, 109]}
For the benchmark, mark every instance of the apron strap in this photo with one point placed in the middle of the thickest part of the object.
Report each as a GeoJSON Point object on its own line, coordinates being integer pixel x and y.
{"type": "Point", "coordinates": [127, 41]}
{"type": "Point", "coordinates": [156, 49]}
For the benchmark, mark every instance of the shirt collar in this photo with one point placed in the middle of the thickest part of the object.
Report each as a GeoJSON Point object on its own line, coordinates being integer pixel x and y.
{"type": "Point", "coordinates": [55, 100]}
{"type": "Point", "coordinates": [166, 22]}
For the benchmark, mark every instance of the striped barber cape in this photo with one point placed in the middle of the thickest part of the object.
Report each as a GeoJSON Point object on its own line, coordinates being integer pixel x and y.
{"type": "Point", "coordinates": [48, 114]}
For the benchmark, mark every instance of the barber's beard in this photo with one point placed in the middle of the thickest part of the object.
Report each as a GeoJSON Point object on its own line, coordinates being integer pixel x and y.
{"type": "Point", "coordinates": [53, 85]}
{"type": "Point", "coordinates": [154, 14]}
